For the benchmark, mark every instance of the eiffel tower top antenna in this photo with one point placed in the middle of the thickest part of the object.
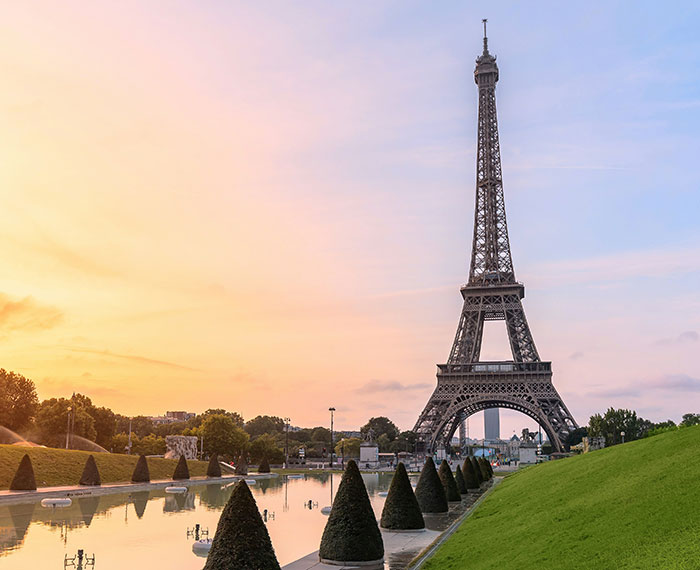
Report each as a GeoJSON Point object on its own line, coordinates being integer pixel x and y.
{"type": "Point", "coordinates": [486, 40]}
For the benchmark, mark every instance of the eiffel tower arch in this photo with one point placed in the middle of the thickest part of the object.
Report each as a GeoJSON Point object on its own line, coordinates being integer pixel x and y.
{"type": "Point", "coordinates": [465, 384]}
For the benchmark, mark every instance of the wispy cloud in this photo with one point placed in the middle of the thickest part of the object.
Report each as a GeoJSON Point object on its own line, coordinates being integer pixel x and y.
{"type": "Point", "coordinates": [683, 338]}
{"type": "Point", "coordinates": [27, 314]}
{"type": "Point", "coordinates": [679, 383]}
{"type": "Point", "coordinates": [390, 386]}
{"type": "Point", "coordinates": [133, 358]}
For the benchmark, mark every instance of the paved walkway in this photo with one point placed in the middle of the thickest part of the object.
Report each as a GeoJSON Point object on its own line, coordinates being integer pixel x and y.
{"type": "Point", "coordinates": [398, 547]}
{"type": "Point", "coordinates": [401, 548]}
{"type": "Point", "coordinates": [14, 497]}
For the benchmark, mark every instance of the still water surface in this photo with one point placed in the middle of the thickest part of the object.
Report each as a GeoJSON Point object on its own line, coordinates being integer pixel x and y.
{"type": "Point", "coordinates": [148, 529]}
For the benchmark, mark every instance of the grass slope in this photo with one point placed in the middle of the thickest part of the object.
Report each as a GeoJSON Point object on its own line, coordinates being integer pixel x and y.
{"type": "Point", "coordinates": [64, 467]}
{"type": "Point", "coordinates": [629, 506]}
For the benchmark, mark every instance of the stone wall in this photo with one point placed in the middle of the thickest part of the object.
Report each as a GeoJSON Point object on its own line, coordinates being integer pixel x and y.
{"type": "Point", "coordinates": [177, 445]}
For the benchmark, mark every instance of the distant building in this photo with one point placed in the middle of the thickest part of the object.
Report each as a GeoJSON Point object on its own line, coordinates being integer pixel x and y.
{"type": "Point", "coordinates": [171, 418]}
{"type": "Point", "coordinates": [492, 424]}
{"type": "Point", "coordinates": [593, 443]}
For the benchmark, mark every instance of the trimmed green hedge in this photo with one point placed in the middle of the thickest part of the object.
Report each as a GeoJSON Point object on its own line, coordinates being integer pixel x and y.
{"type": "Point", "coordinates": [241, 539]}
{"type": "Point", "coordinates": [459, 479]}
{"type": "Point", "coordinates": [429, 491]}
{"type": "Point", "coordinates": [91, 475]}
{"type": "Point", "coordinates": [214, 469]}
{"type": "Point", "coordinates": [401, 509]}
{"type": "Point", "coordinates": [264, 466]}
{"type": "Point", "coordinates": [181, 469]}
{"type": "Point", "coordinates": [470, 477]}
{"type": "Point", "coordinates": [448, 482]}
{"type": "Point", "coordinates": [351, 533]}
{"type": "Point", "coordinates": [24, 477]}
{"type": "Point", "coordinates": [141, 473]}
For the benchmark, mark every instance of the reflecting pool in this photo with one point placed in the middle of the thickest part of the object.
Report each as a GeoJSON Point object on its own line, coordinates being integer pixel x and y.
{"type": "Point", "coordinates": [149, 529]}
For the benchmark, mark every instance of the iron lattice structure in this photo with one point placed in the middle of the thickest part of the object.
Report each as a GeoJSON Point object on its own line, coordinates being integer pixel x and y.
{"type": "Point", "coordinates": [465, 385]}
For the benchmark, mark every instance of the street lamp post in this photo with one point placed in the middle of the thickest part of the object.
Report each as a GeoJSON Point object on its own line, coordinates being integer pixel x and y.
{"type": "Point", "coordinates": [70, 409]}
{"type": "Point", "coordinates": [330, 457]}
{"type": "Point", "coordinates": [622, 433]}
{"type": "Point", "coordinates": [286, 443]}
{"type": "Point", "coordinates": [128, 447]}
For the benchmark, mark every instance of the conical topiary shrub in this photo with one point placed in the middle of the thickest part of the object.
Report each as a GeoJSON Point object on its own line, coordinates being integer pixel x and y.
{"type": "Point", "coordinates": [241, 539]}
{"type": "Point", "coordinates": [488, 464]}
{"type": "Point", "coordinates": [477, 470]}
{"type": "Point", "coordinates": [351, 533]}
{"type": "Point", "coordinates": [141, 473]}
{"type": "Point", "coordinates": [214, 469]}
{"type": "Point", "coordinates": [181, 469]}
{"type": "Point", "coordinates": [459, 479]}
{"type": "Point", "coordinates": [448, 482]}
{"type": "Point", "coordinates": [264, 466]}
{"type": "Point", "coordinates": [484, 469]}
{"type": "Point", "coordinates": [90, 476]}
{"type": "Point", "coordinates": [24, 477]}
{"type": "Point", "coordinates": [429, 491]}
{"type": "Point", "coordinates": [401, 510]}
{"type": "Point", "coordinates": [470, 477]}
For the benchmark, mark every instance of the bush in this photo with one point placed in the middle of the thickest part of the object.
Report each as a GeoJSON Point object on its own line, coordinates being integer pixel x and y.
{"type": "Point", "coordinates": [484, 470]}
{"type": "Point", "coordinates": [470, 477]}
{"type": "Point", "coordinates": [459, 479]}
{"type": "Point", "coordinates": [477, 470]}
{"type": "Point", "coordinates": [214, 469]}
{"type": "Point", "coordinates": [90, 476]}
{"type": "Point", "coordinates": [264, 466]}
{"type": "Point", "coordinates": [24, 477]}
{"type": "Point", "coordinates": [241, 539]}
{"type": "Point", "coordinates": [429, 491]}
{"type": "Point", "coordinates": [401, 510]}
{"type": "Point", "coordinates": [448, 482]}
{"type": "Point", "coordinates": [141, 473]}
{"type": "Point", "coordinates": [181, 469]}
{"type": "Point", "coordinates": [351, 533]}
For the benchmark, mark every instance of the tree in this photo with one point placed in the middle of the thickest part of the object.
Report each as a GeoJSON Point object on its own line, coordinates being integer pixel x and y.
{"type": "Point", "coordinates": [105, 425]}
{"type": "Point", "coordinates": [321, 434]}
{"type": "Point", "coordinates": [384, 443]}
{"type": "Point", "coordinates": [140, 425]}
{"type": "Point", "coordinates": [430, 491]}
{"type": "Point", "coordinates": [149, 445]}
{"type": "Point", "coordinates": [91, 475]}
{"type": "Point", "coordinates": [18, 400]}
{"type": "Point", "coordinates": [24, 477]}
{"type": "Point", "coordinates": [406, 441]}
{"type": "Point", "coordinates": [448, 482]}
{"type": "Point", "coordinates": [52, 421]}
{"type": "Point", "coordinates": [381, 425]}
{"type": "Point", "coordinates": [214, 469]}
{"type": "Point", "coordinates": [182, 471]}
{"type": "Point", "coordinates": [351, 533]}
{"type": "Point", "coordinates": [690, 420]}
{"type": "Point", "coordinates": [576, 436]}
{"type": "Point", "coordinates": [265, 447]}
{"type": "Point", "coordinates": [614, 422]}
{"type": "Point", "coordinates": [348, 447]}
{"type": "Point", "coordinates": [264, 424]}
{"type": "Point", "coordinates": [401, 510]}
{"type": "Point", "coordinates": [241, 539]}
{"type": "Point", "coordinates": [141, 472]}
{"type": "Point", "coordinates": [222, 436]}
{"type": "Point", "coordinates": [197, 421]}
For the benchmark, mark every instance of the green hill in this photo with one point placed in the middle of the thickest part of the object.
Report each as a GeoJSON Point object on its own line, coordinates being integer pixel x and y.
{"type": "Point", "coordinates": [635, 505]}
{"type": "Point", "coordinates": [64, 467]}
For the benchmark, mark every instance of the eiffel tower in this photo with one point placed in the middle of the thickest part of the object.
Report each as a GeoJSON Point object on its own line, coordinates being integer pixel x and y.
{"type": "Point", "coordinates": [466, 385]}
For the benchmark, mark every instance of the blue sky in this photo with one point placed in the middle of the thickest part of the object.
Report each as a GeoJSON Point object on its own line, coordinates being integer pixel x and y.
{"type": "Point", "coordinates": [281, 195]}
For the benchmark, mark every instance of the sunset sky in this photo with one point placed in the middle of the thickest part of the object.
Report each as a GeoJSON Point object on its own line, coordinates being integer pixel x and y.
{"type": "Point", "coordinates": [267, 207]}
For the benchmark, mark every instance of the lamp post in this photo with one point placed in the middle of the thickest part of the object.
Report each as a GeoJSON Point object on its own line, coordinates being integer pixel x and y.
{"type": "Point", "coordinates": [70, 409]}
{"type": "Point", "coordinates": [286, 443]}
{"type": "Point", "coordinates": [622, 433]}
{"type": "Point", "coordinates": [330, 457]}
{"type": "Point", "coordinates": [128, 447]}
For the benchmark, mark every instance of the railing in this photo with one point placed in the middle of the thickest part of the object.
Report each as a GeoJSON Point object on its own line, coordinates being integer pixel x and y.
{"type": "Point", "coordinates": [495, 367]}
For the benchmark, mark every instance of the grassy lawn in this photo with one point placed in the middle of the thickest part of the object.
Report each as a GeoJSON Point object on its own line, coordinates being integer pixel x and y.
{"type": "Point", "coordinates": [64, 467]}
{"type": "Point", "coordinates": [635, 505]}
